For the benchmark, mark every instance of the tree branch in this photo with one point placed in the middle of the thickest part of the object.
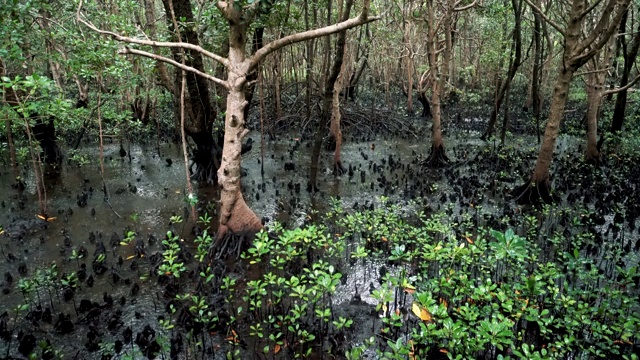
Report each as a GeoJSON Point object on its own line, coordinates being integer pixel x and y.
{"type": "Point", "coordinates": [183, 45]}
{"type": "Point", "coordinates": [591, 72]}
{"type": "Point", "coordinates": [604, 29]}
{"type": "Point", "coordinates": [463, 8]}
{"type": "Point", "coordinates": [599, 29]}
{"type": "Point", "coordinates": [630, 84]}
{"type": "Point", "coordinates": [590, 8]}
{"type": "Point", "coordinates": [153, 56]}
{"type": "Point", "coordinates": [362, 19]}
{"type": "Point", "coordinates": [545, 17]}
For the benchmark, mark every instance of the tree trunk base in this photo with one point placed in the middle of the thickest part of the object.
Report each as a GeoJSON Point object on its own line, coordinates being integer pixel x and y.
{"type": "Point", "coordinates": [243, 220]}
{"type": "Point", "coordinates": [238, 232]}
{"type": "Point", "coordinates": [594, 159]}
{"type": "Point", "coordinates": [534, 193]}
{"type": "Point", "coordinates": [312, 188]}
{"type": "Point", "coordinates": [437, 158]}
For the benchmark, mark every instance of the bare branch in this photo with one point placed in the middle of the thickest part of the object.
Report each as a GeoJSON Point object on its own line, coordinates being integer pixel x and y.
{"type": "Point", "coordinates": [605, 27]}
{"type": "Point", "coordinates": [183, 45]}
{"type": "Point", "coordinates": [545, 17]}
{"type": "Point", "coordinates": [590, 8]}
{"type": "Point", "coordinates": [630, 84]}
{"type": "Point", "coordinates": [149, 55]}
{"type": "Point", "coordinates": [599, 29]}
{"type": "Point", "coordinates": [362, 19]}
{"type": "Point", "coordinates": [591, 72]}
{"type": "Point", "coordinates": [463, 8]}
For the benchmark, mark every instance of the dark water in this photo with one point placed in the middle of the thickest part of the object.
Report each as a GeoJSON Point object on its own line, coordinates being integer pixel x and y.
{"type": "Point", "coordinates": [145, 192]}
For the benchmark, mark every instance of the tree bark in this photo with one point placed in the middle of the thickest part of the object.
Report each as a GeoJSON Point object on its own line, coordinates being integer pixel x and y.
{"type": "Point", "coordinates": [594, 96]}
{"type": "Point", "coordinates": [235, 215]}
{"type": "Point", "coordinates": [595, 83]}
{"type": "Point", "coordinates": [408, 58]}
{"type": "Point", "coordinates": [621, 99]}
{"type": "Point", "coordinates": [578, 50]}
{"type": "Point", "coordinates": [536, 102]}
{"type": "Point", "coordinates": [560, 93]}
{"type": "Point", "coordinates": [335, 132]}
{"type": "Point", "coordinates": [438, 74]}
{"type": "Point", "coordinates": [199, 114]}
{"type": "Point", "coordinates": [514, 64]}
{"type": "Point", "coordinates": [505, 119]}
{"type": "Point", "coordinates": [327, 101]}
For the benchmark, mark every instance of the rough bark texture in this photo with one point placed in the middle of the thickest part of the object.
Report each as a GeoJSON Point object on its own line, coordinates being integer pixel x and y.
{"type": "Point", "coordinates": [235, 215]}
{"type": "Point", "coordinates": [577, 51]}
{"type": "Point", "coordinates": [538, 188]}
{"type": "Point", "coordinates": [592, 154]}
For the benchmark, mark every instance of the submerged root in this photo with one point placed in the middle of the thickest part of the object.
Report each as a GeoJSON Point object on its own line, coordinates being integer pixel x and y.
{"type": "Point", "coordinates": [437, 158]}
{"type": "Point", "coordinates": [534, 193]}
{"type": "Point", "coordinates": [230, 245]}
{"type": "Point", "coordinates": [206, 168]}
{"type": "Point", "coordinates": [237, 232]}
{"type": "Point", "coordinates": [205, 173]}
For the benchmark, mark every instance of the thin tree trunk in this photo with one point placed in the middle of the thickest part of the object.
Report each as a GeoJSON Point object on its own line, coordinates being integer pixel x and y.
{"type": "Point", "coordinates": [595, 83]}
{"type": "Point", "coordinates": [199, 112]}
{"type": "Point", "coordinates": [505, 119]}
{"type": "Point", "coordinates": [621, 99]}
{"type": "Point", "coordinates": [408, 58]}
{"type": "Point", "coordinates": [594, 96]}
{"type": "Point", "coordinates": [536, 102]}
{"type": "Point", "coordinates": [514, 64]}
{"type": "Point", "coordinates": [438, 76]}
{"type": "Point", "coordinates": [335, 132]}
{"type": "Point", "coordinates": [309, 60]}
{"type": "Point", "coordinates": [328, 95]}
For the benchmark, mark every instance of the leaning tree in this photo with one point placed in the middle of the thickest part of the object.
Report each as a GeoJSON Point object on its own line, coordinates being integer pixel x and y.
{"type": "Point", "coordinates": [588, 28]}
{"type": "Point", "coordinates": [235, 215]}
